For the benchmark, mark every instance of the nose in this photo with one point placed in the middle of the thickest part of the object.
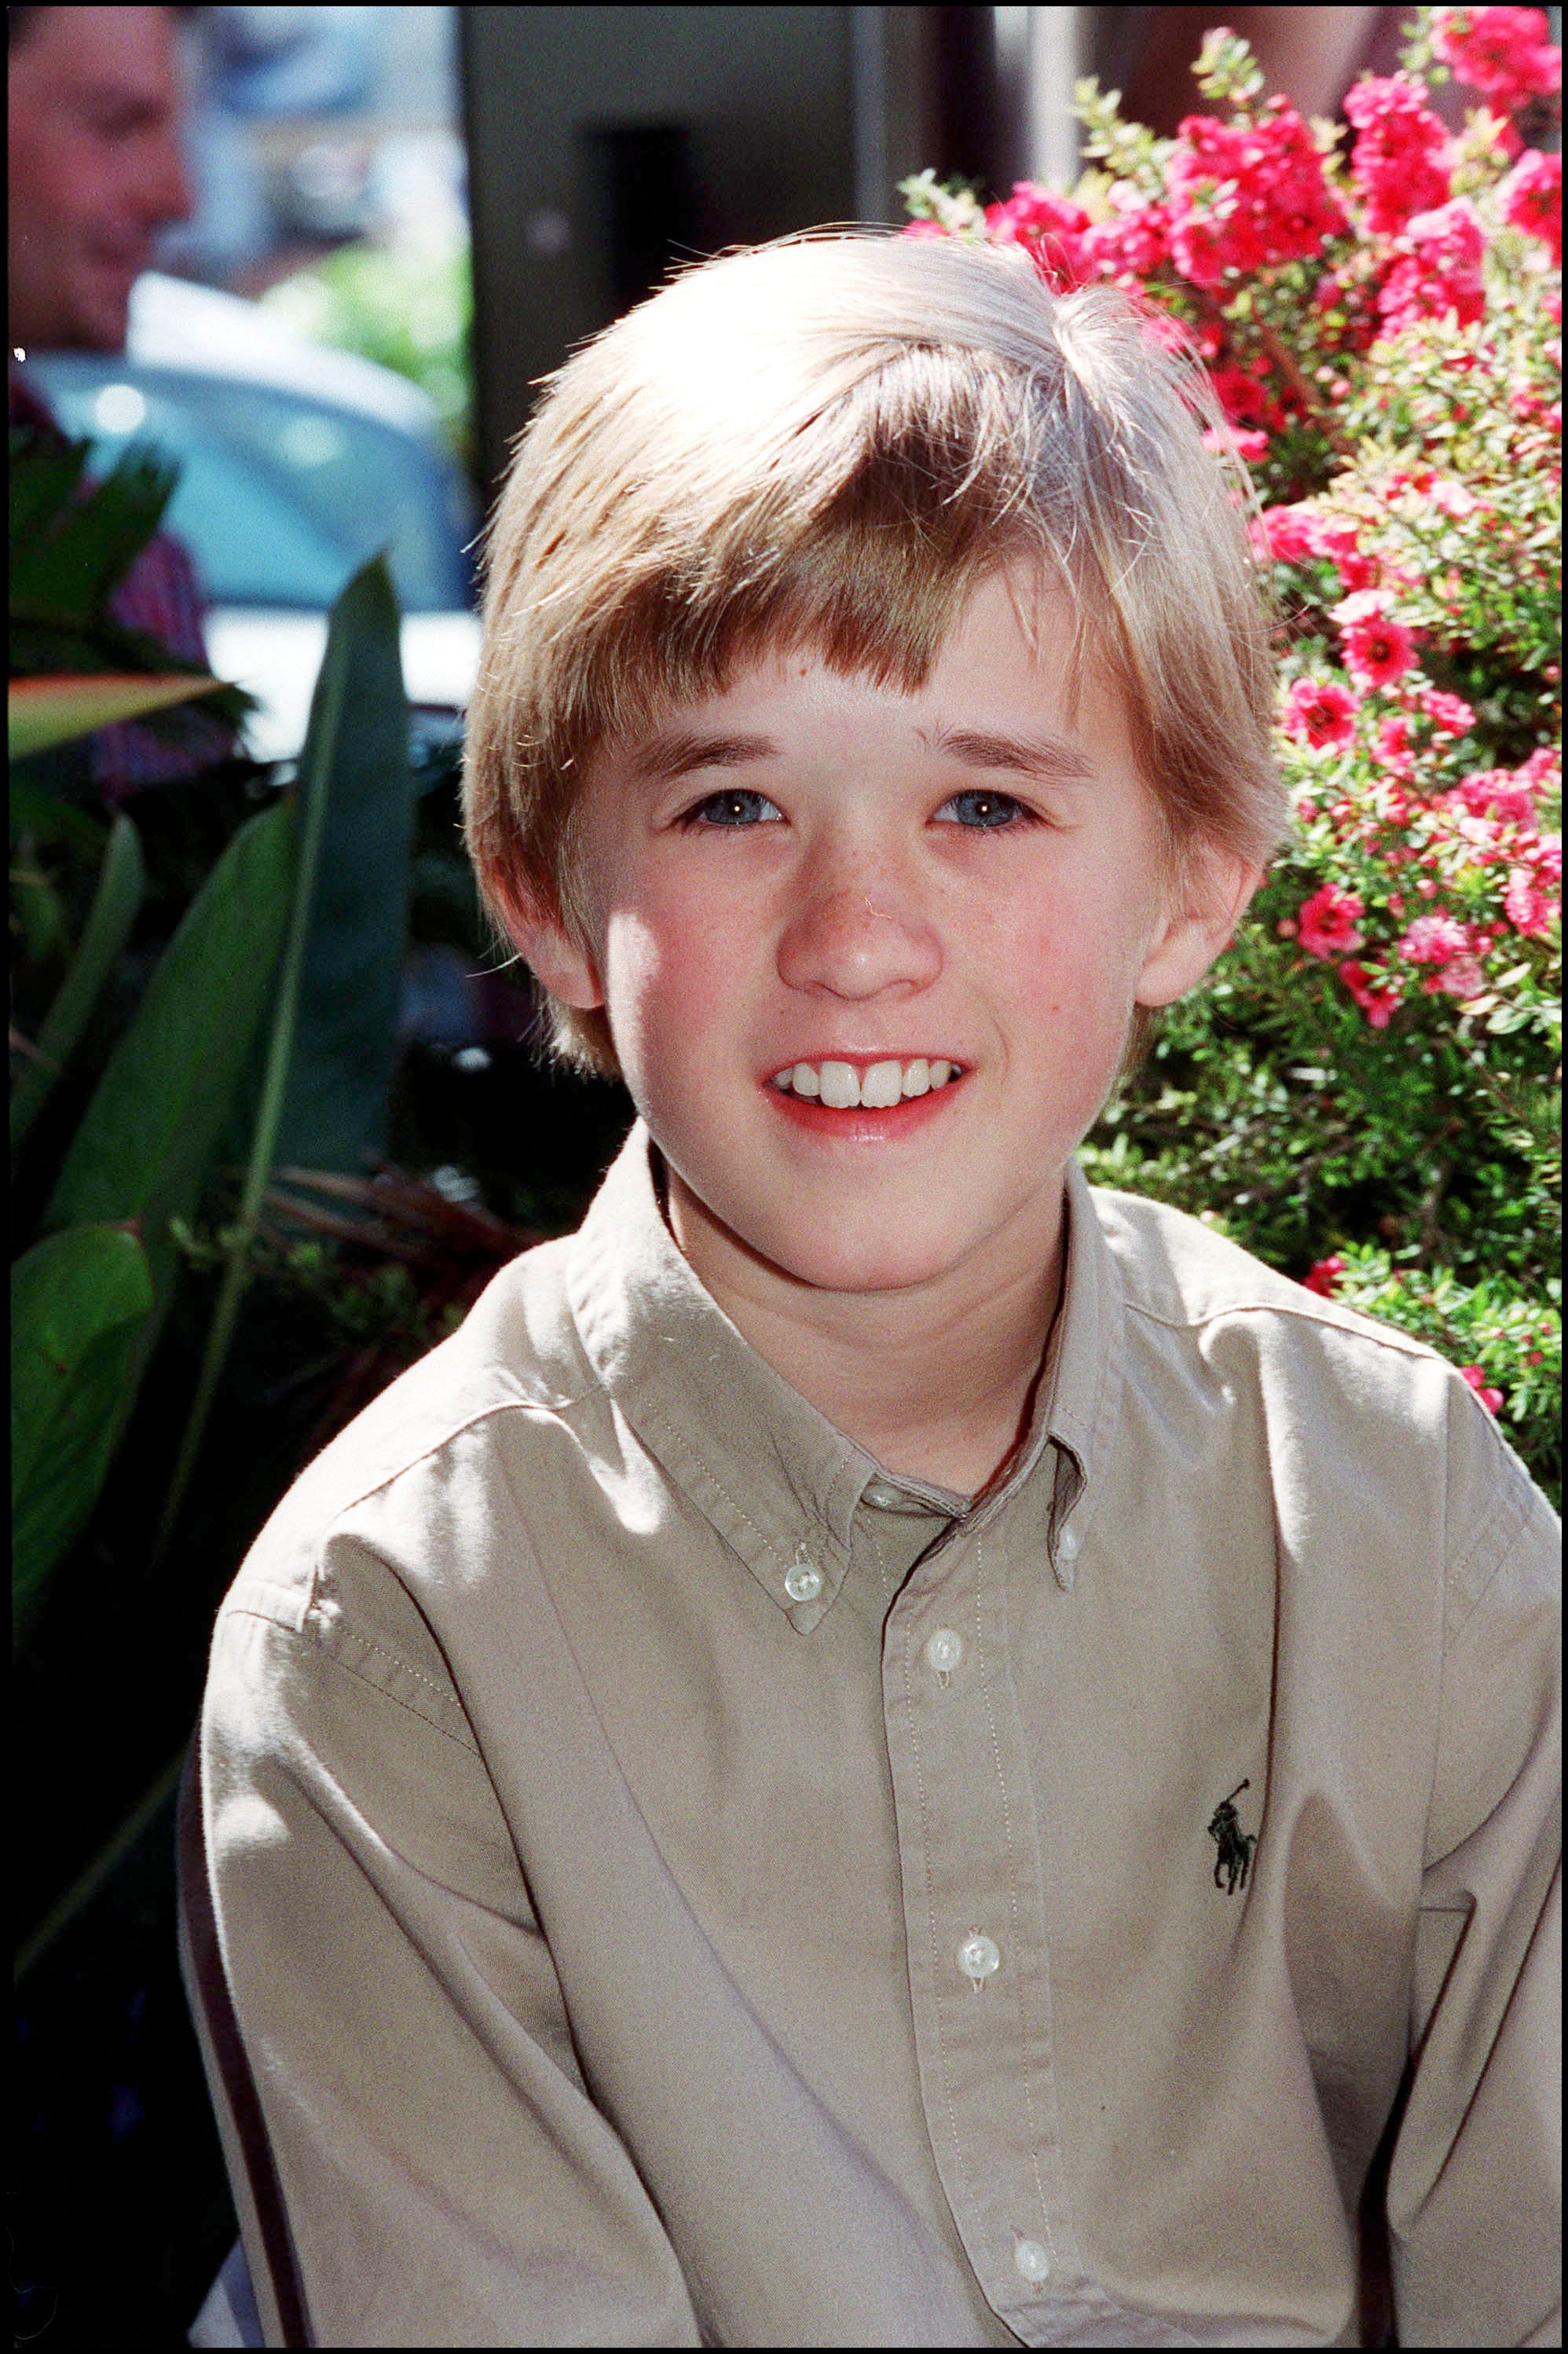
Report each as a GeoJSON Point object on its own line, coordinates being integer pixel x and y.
{"type": "Point", "coordinates": [856, 940]}
{"type": "Point", "coordinates": [160, 190]}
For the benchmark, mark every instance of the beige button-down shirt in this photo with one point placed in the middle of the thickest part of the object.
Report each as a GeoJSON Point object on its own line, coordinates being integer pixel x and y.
{"type": "Point", "coordinates": [680, 1885]}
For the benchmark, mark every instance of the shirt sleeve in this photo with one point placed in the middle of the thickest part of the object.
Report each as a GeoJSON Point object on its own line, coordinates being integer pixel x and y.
{"type": "Point", "coordinates": [1475, 2179]}
{"type": "Point", "coordinates": [446, 2177]}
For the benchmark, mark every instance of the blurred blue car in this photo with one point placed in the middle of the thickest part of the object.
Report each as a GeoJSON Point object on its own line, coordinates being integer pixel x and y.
{"type": "Point", "coordinates": [297, 465]}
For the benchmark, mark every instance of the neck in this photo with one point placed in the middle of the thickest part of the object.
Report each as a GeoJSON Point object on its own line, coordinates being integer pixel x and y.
{"type": "Point", "coordinates": [936, 1380]}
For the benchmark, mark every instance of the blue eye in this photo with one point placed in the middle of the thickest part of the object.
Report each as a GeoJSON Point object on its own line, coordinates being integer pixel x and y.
{"type": "Point", "coordinates": [733, 807]}
{"type": "Point", "coordinates": [983, 811]}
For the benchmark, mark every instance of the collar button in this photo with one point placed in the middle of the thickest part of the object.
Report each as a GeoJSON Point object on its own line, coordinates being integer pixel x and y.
{"type": "Point", "coordinates": [803, 1582]}
{"type": "Point", "coordinates": [882, 1496]}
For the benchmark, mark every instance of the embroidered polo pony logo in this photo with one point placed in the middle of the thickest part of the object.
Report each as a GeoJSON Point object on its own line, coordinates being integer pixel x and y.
{"type": "Point", "coordinates": [1235, 1846]}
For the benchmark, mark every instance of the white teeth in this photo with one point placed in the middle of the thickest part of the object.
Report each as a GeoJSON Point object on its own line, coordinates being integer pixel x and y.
{"type": "Point", "coordinates": [878, 1087]}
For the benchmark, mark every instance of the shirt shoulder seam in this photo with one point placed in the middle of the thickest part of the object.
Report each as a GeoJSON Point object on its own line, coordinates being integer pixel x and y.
{"type": "Point", "coordinates": [1383, 1336]}
{"type": "Point", "coordinates": [433, 1447]}
{"type": "Point", "coordinates": [324, 1641]}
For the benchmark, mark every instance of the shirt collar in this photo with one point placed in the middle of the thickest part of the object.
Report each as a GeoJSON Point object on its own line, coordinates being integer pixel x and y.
{"type": "Point", "coordinates": [777, 1480]}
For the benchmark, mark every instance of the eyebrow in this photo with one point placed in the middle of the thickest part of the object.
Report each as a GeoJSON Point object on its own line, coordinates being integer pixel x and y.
{"type": "Point", "coordinates": [671, 753]}
{"type": "Point", "coordinates": [1049, 759]}
{"type": "Point", "coordinates": [675, 752]}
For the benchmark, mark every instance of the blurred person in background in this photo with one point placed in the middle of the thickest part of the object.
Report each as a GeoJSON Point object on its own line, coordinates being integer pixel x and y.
{"type": "Point", "coordinates": [95, 175]}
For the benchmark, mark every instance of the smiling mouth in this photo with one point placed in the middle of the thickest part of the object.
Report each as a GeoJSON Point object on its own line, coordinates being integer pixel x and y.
{"type": "Point", "coordinates": [870, 1086]}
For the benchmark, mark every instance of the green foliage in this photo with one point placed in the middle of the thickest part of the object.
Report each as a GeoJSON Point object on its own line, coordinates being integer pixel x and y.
{"type": "Point", "coordinates": [410, 308]}
{"type": "Point", "coordinates": [143, 1146]}
{"type": "Point", "coordinates": [72, 541]}
{"type": "Point", "coordinates": [359, 785]}
{"type": "Point", "coordinates": [114, 911]}
{"type": "Point", "coordinates": [79, 1303]}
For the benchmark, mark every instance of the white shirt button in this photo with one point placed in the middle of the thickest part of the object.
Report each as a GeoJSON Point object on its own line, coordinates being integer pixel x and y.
{"type": "Point", "coordinates": [1067, 1543]}
{"type": "Point", "coordinates": [803, 1582]}
{"type": "Point", "coordinates": [1032, 2260]}
{"type": "Point", "coordinates": [882, 1496]}
{"type": "Point", "coordinates": [943, 1649]}
{"type": "Point", "coordinates": [978, 1958]}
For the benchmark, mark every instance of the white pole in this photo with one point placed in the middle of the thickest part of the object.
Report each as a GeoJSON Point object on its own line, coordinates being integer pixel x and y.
{"type": "Point", "coordinates": [1058, 53]}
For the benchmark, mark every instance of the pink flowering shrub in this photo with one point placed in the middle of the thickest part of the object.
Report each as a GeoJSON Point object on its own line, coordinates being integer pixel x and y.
{"type": "Point", "coordinates": [1367, 1091]}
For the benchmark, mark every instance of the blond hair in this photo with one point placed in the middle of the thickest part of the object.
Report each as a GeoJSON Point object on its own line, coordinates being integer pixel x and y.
{"type": "Point", "coordinates": [829, 442]}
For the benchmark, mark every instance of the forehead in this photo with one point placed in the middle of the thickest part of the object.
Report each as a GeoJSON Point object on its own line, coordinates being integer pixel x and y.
{"type": "Point", "coordinates": [1019, 661]}
{"type": "Point", "coordinates": [123, 53]}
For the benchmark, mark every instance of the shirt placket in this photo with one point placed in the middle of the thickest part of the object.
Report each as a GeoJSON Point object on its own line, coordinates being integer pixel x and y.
{"type": "Point", "coordinates": [975, 1923]}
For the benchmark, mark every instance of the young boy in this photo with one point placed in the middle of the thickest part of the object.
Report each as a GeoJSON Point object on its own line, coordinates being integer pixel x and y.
{"type": "Point", "coordinates": [884, 1749]}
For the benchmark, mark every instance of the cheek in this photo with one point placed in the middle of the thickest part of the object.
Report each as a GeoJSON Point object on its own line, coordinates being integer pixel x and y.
{"type": "Point", "coordinates": [1065, 955]}
{"type": "Point", "coordinates": [670, 969]}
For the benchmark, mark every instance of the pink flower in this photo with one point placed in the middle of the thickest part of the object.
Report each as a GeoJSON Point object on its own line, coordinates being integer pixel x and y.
{"type": "Point", "coordinates": [1318, 713]}
{"type": "Point", "coordinates": [1376, 1000]}
{"type": "Point", "coordinates": [1325, 1275]}
{"type": "Point", "coordinates": [1434, 939]}
{"type": "Point", "coordinates": [1451, 497]}
{"type": "Point", "coordinates": [1050, 229]}
{"type": "Point", "coordinates": [1360, 604]}
{"type": "Point", "coordinates": [1462, 978]}
{"type": "Point", "coordinates": [1132, 245]}
{"type": "Point", "coordinates": [1529, 909]}
{"type": "Point", "coordinates": [923, 228]}
{"type": "Point", "coordinates": [1377, 650]}
{"type": "Point", "coordinates": [1289, 534]}
{"type": "Point", "coordinates": [1533, 198]}
{"type": "Point", "coordinates": [1325, 923]}
{"type": "Point", "coordinates": [1505, 53]}
{"type": "Point", "coordinates": [1544, 767]}
{"type": "Point", "coordinates": [1450, 714]}
{"type": "Point", "coordinates": [1491, 1399]}
{"type": "Point", "coordinates": [1245, 444]}
{"type": "Point", "coordinates": [1398, 164]}
{"type": "Point", "coordinates": [1440, 271]}
{"type": "Point", "coordinates": [1337, 538]}
{"type": "Point", "coordinates": [1494, 793]}
{"type": "Point", "coordinates": [1243, 196]}
{"type": "Point", "coordinates": [1395, 749]}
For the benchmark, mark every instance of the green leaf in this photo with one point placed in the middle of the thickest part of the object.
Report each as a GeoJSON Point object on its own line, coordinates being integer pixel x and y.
{"type": "Point", "coordinates": [77, 1302]}
{"type": "Point", "coordinates": [67, 552]}
{"type": "Point", "coordinates": [333, 1028]}
{"type": "Point", "coordinates": [115, 904]}
{"type": "Point", "coordinates": [43, 712]}
{"type": "Point", "coordinates": [147, 1137]}
{"type": "Point", "coordinates": [358, 788]}
{"type": "Point", "coordinates": [47, 818]}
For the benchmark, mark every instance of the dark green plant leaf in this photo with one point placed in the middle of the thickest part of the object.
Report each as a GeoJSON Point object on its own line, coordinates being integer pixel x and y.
{"type": "Point", "coordinates": [334, 1110]}
{"type": "Point", "coordinates": [45, 472]}
{"type": "Point", "coordinates": [49, 818]}
{"type": "Point", "coordinates": [146, 1139]}
{"type": "Point", "coordinates": [78, 1301]}
{"type": "Point", "coordinates": [69, 550]}
{"type": "Point", "coordinates": [334, 1030]}
{"type": "Point", "coordinates": [115, 904]}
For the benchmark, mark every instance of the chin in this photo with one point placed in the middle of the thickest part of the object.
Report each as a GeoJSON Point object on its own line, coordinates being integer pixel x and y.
{"type": "Point", "coordinates": [872, 1262]}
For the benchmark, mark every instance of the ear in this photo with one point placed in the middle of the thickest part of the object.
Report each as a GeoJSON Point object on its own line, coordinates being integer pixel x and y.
{"type": "Point", "coordinates": [553, 953]}
{"type": "Point", "coordinates": [1193, 929]}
